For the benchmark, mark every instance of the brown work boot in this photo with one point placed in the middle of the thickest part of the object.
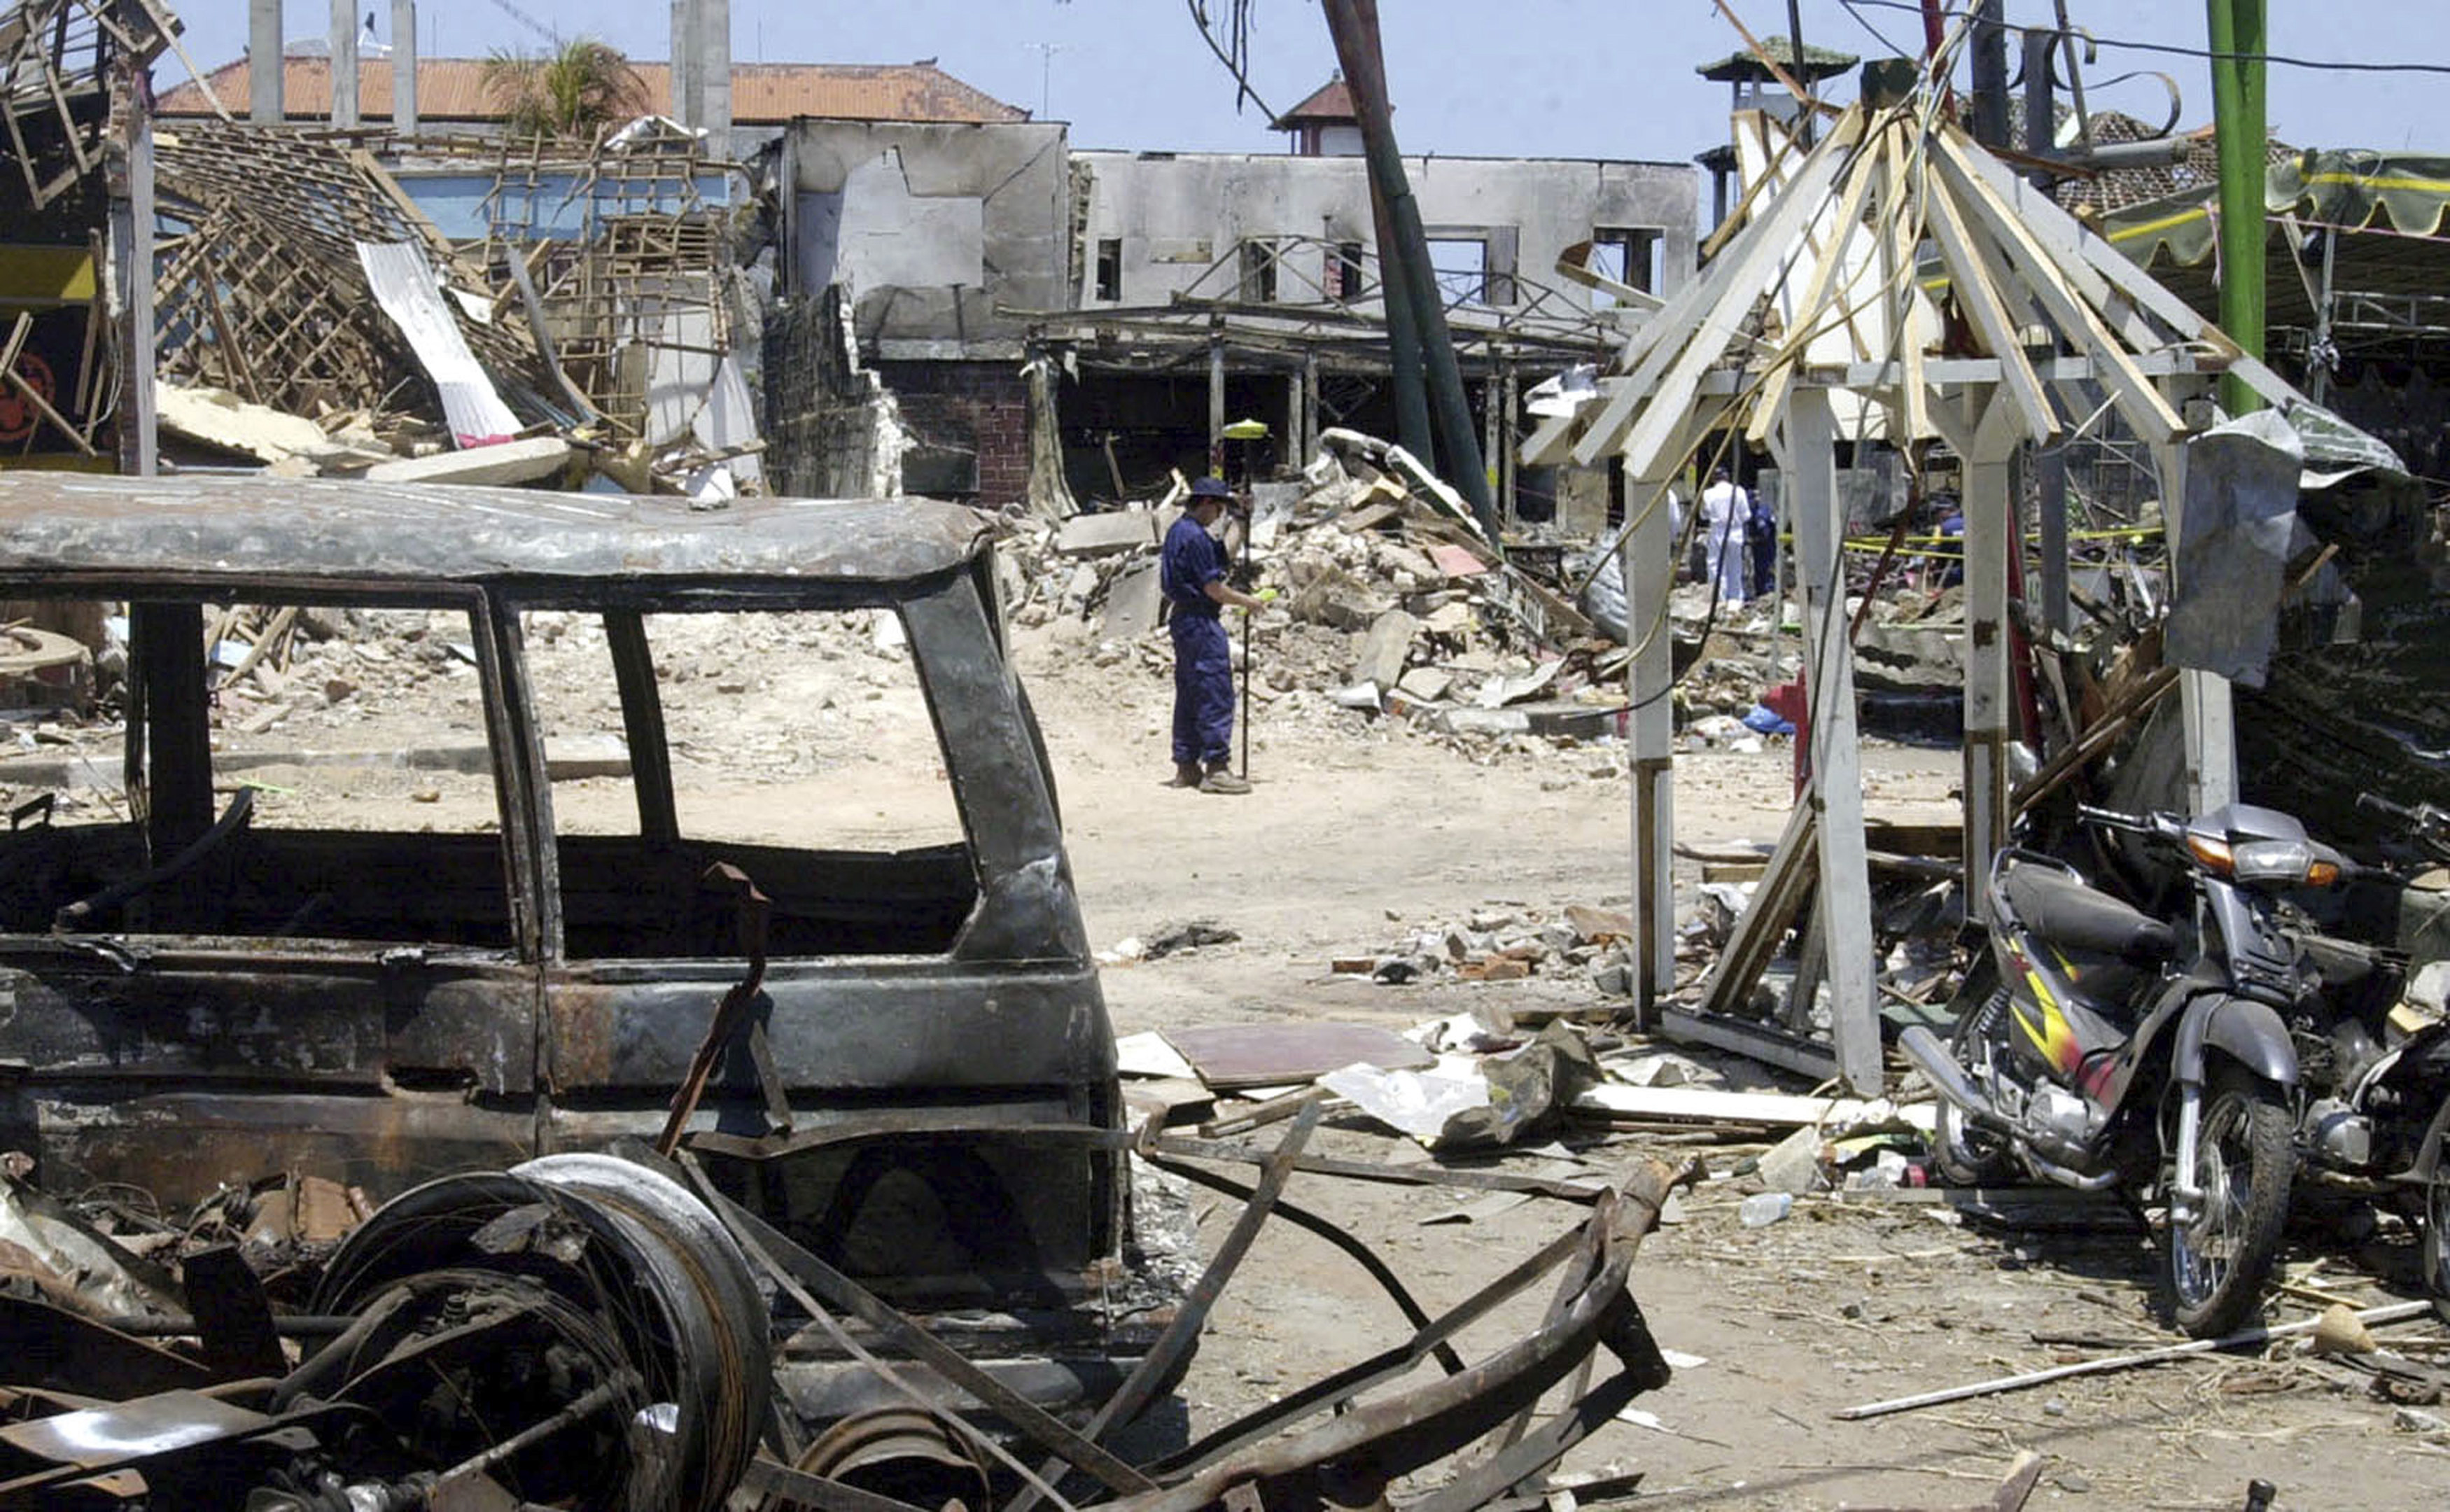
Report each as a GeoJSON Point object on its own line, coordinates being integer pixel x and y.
{"type": "Point", "coordinates": [1186, 774]}
{"type": "Point", "coordinates": [1220, 779]}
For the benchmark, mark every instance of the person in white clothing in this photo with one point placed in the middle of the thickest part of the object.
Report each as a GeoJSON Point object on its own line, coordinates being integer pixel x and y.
{"type": "Point", "coordinates": [1725, 511]}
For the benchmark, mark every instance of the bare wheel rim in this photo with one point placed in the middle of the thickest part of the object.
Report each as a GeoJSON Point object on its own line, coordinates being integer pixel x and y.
{"type": "Point", "coordinates": [2203, 1253]}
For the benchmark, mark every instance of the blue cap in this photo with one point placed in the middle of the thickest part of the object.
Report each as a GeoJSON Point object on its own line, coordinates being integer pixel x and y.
{"type": "Point", "coordinates": [1210, 488]}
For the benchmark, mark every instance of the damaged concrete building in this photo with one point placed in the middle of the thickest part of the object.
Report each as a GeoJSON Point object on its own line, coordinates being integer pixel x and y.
{"type": "Point", "coordinates": [1174, 289]}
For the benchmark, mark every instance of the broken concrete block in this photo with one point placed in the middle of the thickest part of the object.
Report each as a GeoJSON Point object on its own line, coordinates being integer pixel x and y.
{"type": "Point", "coordinates": [1386, 649]}
{"type": "Point", "coordinates": [1132, 603]}
{"type": "Point", "coordinates": [504, 463]}
{"type": "Point", "coordinates": [1107, 534]}
{"type": "Point", "coordinates": [1424, 684]}
{"type": "Point", "coordinates": [1793, 1164]}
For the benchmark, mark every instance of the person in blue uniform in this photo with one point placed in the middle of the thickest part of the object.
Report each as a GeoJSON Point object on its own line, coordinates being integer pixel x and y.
{"type": "Point", "coordinates": [1760, 541]}
{"type": "Point", "coordinates": [1191, 575]}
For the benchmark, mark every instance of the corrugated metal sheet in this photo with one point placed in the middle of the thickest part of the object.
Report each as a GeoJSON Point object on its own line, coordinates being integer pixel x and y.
{"type": "Point", "coordinates": [452, 89]}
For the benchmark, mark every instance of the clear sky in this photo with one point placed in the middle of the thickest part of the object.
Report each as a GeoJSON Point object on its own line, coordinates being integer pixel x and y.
{"type": "Point", "coordinates": [1567, 78]}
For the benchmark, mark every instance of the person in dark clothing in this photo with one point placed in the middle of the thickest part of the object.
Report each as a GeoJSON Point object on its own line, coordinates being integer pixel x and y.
{"type": "Point", "coordinates": [1191, 572]}
{"type": "Point", "coordinates": [1761, 535]}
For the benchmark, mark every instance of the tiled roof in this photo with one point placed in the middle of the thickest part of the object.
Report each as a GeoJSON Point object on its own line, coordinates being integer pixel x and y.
{"type": "Point", "coordinates": [452, 89]}
{"type": "Point", "coordinates": [1331, 103]}
{"type": "Point", "coordinates": [1818, 63]}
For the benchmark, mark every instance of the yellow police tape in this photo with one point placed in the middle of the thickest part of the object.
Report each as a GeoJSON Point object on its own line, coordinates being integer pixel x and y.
{"type": "Point", "coordinates": [1880, 543]}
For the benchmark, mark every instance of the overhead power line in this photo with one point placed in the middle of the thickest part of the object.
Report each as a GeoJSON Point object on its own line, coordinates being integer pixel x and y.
{"type": "Point", "coordinates": [2174, 49]}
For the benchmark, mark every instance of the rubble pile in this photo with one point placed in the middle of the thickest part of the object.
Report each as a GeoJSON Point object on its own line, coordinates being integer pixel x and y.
{"type": "Point", "coordinates": [1390, 603]}
{"type": "Point", "coordinates": [316, 321]}
{"type": "Point", "coordinates": [1504, 942]}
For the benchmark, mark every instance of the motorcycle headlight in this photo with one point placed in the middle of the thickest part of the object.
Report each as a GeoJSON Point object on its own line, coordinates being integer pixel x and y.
{"type": "Point", "coordinates": [2281, 860]}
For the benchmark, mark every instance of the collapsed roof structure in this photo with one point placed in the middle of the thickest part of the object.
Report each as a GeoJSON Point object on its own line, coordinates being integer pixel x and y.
{"type": "Point", "coordinates": [1895, 282]}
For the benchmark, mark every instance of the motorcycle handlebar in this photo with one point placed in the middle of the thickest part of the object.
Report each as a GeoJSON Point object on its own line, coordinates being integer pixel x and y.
{"type": "Point", "coordinates": [2376, 803]}
{"type": "Point", "coordinates": [2112, 819]}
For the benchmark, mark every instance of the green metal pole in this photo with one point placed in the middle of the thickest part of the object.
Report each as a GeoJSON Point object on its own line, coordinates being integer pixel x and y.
{"type": "Point", "coordinates": [2239, 39]}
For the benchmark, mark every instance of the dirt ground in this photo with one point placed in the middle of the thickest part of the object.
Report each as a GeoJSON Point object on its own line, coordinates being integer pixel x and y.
{"type": "Point", "coordinates": [1846, 1302]}
{"type": "Point", "coordinates": [1358, 829]}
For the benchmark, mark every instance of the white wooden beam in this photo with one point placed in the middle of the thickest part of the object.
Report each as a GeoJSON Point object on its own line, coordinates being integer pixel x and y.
{"type": "Point", "coordinates": [1844, 907]}
{"type": "Point", "coordinates": [2141, 404]}
{"type": "Point", "coordinates": [1648, 564]}
{"type": "Point", "coordinates": [1990, 535]}
{"type": "Point", "coordinates": [1844, 226]}
{"type": "Point", "coordinates": [1670, 370]}
{"type": "Point", "coordinates": [1972, 280]}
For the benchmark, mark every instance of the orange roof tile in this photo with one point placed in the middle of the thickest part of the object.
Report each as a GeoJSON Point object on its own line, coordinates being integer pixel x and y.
{"type": "Point", "coordinates": [452, 89]}
{"type": "Point", "coordinates": [1331, 103]}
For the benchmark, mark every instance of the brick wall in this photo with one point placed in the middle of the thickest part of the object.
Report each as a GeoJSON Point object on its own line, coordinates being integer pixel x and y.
{"type": "Point", "coordinates": [981, 408]}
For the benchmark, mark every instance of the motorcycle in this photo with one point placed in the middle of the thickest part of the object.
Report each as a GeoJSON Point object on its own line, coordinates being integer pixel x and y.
{"type": "Point", "coordinates": [2102, 1048]}
{"type": "Point", "coordinates": [2377, 1071]}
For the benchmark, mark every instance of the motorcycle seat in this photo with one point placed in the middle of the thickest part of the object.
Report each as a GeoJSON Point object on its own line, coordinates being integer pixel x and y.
{"type": "Point", "coordinates": [2066, 913]}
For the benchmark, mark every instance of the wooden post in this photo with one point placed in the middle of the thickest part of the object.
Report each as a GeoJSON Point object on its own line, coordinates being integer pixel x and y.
{"type": "Point", "coordinates": [1308, 442]}
{"type": "Point", "coordinates": [1293, 454]}
{"type": "Point", "coordinates": [1649, 576]}
{"type": "Point", "coordinates": [1843, 911]}
{"type": "Point", "coordinates": [1217, 395]}
{"type": "Point", "coordinates": [1989, 521]}
{"type": "Point", "coordinates": [2203, 697]}
{"type": "Point", "coordinates": [2050, 477]}
{"type": "Point", "coordinates": [1509, 401]}
{"type": "Point", "coordinates": [1488, 433]}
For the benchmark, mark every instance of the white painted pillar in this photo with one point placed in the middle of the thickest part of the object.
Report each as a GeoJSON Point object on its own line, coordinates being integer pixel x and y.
{"type": "Point", "coordinates": [715, 73]}
{"type": "Point", "coordinates": [1844, 906]}
{"type": "Point", "coordinates": [1648, 564]}
{"type": "Point", "coordinates": [403, 67]}
{"type": "Point", "coordinates": [2203, 697]}
{"type": "Point", "coordinates": [264, 44]}
{"type": "Point", "coordinates": [1990, 527]}
{"type": "Point", "coordinates": [688, 101]}
{"type": "Point", "coordinates": [345, 63]}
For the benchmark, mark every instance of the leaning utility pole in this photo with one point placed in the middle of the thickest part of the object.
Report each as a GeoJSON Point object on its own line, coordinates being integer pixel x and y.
{"type": "Point", "coordinates": [2239, 39]}
{"type": "Point", "coordinates": [1353, 24]}
{"type": "Point", "coordinates": [1990, 69]}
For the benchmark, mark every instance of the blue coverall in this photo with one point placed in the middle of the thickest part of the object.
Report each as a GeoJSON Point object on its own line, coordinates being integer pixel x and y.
{"type": "Point", "coordinates": [1203, 657]}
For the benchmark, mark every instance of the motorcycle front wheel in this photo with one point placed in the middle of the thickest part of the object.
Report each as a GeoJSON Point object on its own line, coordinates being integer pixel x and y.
{"type": "Point", "coordinates": [2433, 1162]}
{"type": "Point", "coordinates": [2216, 1264]}
{"type": "Point", "coordinates": [1967, 1156]}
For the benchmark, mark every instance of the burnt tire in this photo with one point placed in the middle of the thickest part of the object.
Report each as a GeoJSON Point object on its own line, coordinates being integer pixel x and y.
{"type": "Point", "coordinates": [2214, 1268]}
{"type": "Point", "coordinates": [2433, 1164]}
{"type": "Point", "coordinates": [1963, 1156]}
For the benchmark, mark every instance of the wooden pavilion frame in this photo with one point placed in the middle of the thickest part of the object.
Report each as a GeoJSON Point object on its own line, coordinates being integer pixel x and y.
{"type": "Point", "coordinates": [1827, 294]}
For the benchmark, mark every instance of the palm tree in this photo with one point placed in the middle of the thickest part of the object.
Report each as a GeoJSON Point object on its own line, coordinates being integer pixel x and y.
{"type": "Point", "coordinates": [577, 90]}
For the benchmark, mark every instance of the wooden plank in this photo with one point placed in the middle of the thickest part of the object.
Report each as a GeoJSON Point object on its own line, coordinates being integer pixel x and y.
{"type": "Point", "coordinates": [1866, 166]}
{"type": "Point", "coordinates": [1748, 275]}
{"type": "Point", "coordinates": [1707, 1105]}
{"type": "Point", "coordinates": [1276, 1054]}
{"type": "Point", "coordinates": [1709, 310]}
{"type": "Point", "coordinates": [1765, 1043]}
{"type": "Point", "coordinates": [1972, 279]}
{"type": "Point", "coordinates": [1648, 564]}
{"type": "Point", "coordinates": [2138, 401]}
{"type": "Point", "coordinates": [1790, 868]}
{"type": "Point", "coordinates": [1898, 264]}
{"type": "Point", "coordinates": [1990, 525]}
{"type": "Point", "coordinates": [1843, 910]}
